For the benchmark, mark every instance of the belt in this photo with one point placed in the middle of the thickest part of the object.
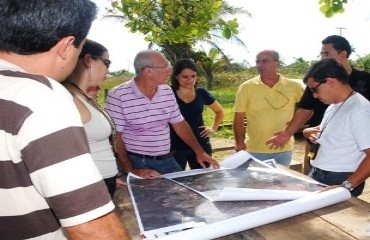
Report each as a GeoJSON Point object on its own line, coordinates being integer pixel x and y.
{"type": "Point", "coordinates": [150, 157]}
{"type": "Point", "coordinates": [320, 171]}
{"type": "Point", "coordinates": [324, 172]}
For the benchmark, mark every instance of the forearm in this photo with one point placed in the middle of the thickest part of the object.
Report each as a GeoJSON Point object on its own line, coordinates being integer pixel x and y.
{"type": "Point", "coordinates": [105, 227]}
{"type": "Point", "coordinates": [238, 128]}
{"type": "Point", "coordinates": [122, 160]}
{"type": "Point", "coordinates": [362, 172]}
{"type": "Point", "coordinates": [219, 117]}
{"type": "Point", "coordinates": [301, 116]}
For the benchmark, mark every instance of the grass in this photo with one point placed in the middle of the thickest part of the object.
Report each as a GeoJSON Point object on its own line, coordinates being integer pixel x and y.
{"type": "Point", "coordinates": [226, 98]}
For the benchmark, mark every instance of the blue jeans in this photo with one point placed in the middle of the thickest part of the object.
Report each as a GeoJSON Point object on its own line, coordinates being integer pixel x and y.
{"type": "Point", "coordinates": [163, 166]}
{"type": "Point", "coordinates": [283, 158]}
{"type": "Point", "coordinates": [334, 178]}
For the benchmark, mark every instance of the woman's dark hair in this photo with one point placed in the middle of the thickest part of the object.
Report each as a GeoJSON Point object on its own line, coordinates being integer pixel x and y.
{"type": "Point", "coordinates": [177, 69]}
{"type": "Point", "coordinates": [93, 48]}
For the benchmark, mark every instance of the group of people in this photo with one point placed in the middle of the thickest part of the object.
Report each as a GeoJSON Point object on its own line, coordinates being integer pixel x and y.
{"type": "Point", "coordinates": [155, 122]}
{"type": "Point", "coordinates": [335, 100]}
{"type": "Point", "coordinates": [62, 151]}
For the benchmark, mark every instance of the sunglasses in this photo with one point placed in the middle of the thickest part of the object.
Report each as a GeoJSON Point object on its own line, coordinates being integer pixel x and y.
{"type": "Point", "coordinates": [314, 89]}
{"type": "Point", "coordinates": [273, 102]}
{"type": "Point", "coordinates": [106, 62]}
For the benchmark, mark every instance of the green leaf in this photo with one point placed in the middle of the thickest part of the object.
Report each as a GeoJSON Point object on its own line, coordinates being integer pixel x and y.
{"type": "Point", "coordinates": [226, 33]}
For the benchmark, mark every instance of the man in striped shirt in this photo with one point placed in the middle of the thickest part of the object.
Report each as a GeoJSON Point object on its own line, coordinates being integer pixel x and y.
{"type": "Point", "coordinates": [50, 188]}
{"type": "Point", "coordinates": [142, 110]}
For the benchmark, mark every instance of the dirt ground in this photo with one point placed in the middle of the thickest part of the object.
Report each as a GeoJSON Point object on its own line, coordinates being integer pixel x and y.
{"type": "Point", "coordinates": [298, 155]}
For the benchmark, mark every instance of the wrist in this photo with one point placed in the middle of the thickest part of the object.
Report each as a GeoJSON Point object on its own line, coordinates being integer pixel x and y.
{"type": "Point", "coordinates": [289, 132]}
{"type": "Point", "coordinates": [347, 185]}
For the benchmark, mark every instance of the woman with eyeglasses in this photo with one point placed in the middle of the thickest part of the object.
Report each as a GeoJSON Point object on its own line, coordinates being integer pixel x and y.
{"type": "Point", "coordinates": [191, 101]}
{"type": "Point", "coordinates": [84, 84]}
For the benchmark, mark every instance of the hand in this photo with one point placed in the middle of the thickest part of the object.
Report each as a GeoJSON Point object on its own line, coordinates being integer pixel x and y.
{"type": "Point", "coordinates": [120, 183]}
{"type": "Point", "coordinates": [206, 132]}
{"type": "Point", "coordinates": [204, 157]}
{"type": "Point", "coordinates": [311, 134]}
{"type": "Point", "coordinates": [278, 140]}
{"type": "Point", "coordinates": [329, 188]}
{"type": "Point", "coordinates": [146, 173]}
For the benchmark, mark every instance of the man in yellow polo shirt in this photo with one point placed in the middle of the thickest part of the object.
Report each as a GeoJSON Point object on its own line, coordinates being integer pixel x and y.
{"type": "Point", "coordinates": [267, 102]}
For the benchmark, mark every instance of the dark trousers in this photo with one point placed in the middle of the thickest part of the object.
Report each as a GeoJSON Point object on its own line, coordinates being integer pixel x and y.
{"type": "Point", "coordinates": [184, 157]}
{"type": "Point", "coordinates": [111, 185]}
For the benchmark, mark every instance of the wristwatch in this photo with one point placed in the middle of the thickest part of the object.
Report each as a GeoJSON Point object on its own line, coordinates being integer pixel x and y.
{"type": "Point", "coordinates": [347, 185]}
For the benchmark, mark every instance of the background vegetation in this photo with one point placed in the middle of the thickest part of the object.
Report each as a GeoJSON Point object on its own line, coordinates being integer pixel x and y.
{"type": "Point", "coordinates": [175, 27]}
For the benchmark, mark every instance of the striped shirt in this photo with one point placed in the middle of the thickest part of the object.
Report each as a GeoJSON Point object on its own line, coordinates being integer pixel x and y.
{"type": "Point", "coordinates": [47, 176]}
{"type": "Point", "coordinates": [144, 123]}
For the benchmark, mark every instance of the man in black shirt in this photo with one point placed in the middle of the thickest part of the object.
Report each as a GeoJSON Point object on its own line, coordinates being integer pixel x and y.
{"type": "Point", "coordinates": [309, 108]}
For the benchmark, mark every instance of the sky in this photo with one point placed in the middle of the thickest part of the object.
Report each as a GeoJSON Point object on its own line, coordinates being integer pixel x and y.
{"type": "Point", "coordinates": [293, 28]}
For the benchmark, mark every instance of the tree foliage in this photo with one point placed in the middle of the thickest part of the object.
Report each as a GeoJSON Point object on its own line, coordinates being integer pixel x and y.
{"type": "Point", "coordinates": [210, 63]}
{"type": "Point", "coordinates": [331, 7]}
{"type": "Point", "coordinates": [362, 63]}
{"type": "Point", "coordinates": [175, 21]}
{"type": "Point", "coordinates": [177, 25]}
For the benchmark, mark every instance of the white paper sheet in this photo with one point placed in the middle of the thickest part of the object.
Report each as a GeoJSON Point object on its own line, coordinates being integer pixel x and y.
{"type": "Point", "coordinates": [302, 202]}
{"type": "Point", "coordinates": [236, 159]}
{"type": "Point", "coordinates": [243, 194]}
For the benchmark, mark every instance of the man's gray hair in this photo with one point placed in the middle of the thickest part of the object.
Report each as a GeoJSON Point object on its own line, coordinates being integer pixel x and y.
{"type": "Point", "coordinates": [275, 55]}
{"type": "Point", "coordinates": [144, 59]}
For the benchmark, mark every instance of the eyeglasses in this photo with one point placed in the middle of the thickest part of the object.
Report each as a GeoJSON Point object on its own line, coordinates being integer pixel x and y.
{"type": "Point", "coordinates": [314, 89]}
{"type": "Point", "coordinates": [106, 62]}
{"type": "Point", "coordinates": [167, 67]}
{"type": "Point", "coordinates": [286, 101]}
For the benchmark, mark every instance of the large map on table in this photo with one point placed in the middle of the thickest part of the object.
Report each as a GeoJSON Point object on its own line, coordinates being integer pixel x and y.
{"type": "Point", "coordinates": [187, 204]}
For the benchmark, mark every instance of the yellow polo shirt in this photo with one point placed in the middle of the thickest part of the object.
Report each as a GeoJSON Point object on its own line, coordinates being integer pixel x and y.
{"type": "Point", "coordinates": [267, 110]}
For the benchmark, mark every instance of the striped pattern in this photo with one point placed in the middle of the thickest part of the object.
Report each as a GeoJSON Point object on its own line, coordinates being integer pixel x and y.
{"type": "Point", "coordinates": [144, 123]}
{"type": "Point", "coordinates": [47, 177]}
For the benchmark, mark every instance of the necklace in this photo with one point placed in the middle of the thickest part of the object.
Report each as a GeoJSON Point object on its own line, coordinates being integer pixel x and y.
{"type": "Point", "coordinates": [332, 116]}
{"type": "Point", "coordinates": [186, 97]}
{"type": "Point", "coordinates": [93, 103]}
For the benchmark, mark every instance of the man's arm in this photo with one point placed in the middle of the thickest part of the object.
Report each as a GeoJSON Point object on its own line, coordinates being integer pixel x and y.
{"type": "Point", "coordinates": [239, 131]}
{"type": "Point", "coordinates": [301, 116]}
{"type": "Point", "coordinates": [106, 227]}
{"type": "Point", "coordinates": [125, 162]}
{"type": "Point", "coordinates": [184, 131]}
{"type": "Point", "coordinates": [362, 172]}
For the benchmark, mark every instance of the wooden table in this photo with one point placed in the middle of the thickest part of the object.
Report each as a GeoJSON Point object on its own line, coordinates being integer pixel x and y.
{"type": "Point", "coordinates": [345, 220]}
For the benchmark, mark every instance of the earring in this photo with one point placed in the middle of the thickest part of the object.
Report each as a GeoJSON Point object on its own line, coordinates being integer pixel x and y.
{"type": "Point", "coordinates": [89, 74]}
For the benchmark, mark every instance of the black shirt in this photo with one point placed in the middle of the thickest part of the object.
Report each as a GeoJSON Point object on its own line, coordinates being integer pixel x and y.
{"type": "Point", "coordinates": [358, 80]}
{"type": "Point", "coordinates": [193, 114]}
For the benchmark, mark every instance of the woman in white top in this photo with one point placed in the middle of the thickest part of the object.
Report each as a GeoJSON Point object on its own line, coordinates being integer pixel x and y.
{"type": "Point", "coordinates": [84, 83]}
